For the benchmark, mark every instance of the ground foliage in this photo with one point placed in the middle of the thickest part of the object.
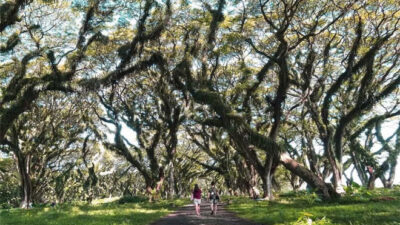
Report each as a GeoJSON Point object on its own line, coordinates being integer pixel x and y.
{"type": "Point", "coordinates": [140, 213]}
{"type": "Point", "coordinates": [359, 206]}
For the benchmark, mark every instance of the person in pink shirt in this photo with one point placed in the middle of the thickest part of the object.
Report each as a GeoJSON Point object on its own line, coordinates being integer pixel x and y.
{"type": "Point", "coordinates": [196, 196]}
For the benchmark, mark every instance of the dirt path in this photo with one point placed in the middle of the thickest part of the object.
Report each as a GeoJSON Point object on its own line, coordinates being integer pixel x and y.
{"type": "Point", "coordinates": [187, 216]}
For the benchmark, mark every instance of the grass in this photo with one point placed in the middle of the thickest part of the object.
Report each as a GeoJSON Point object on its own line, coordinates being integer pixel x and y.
{"type": "Point", "coordinates": [360, 207]}
{"type": "Point", "coordinates": [84, 214]}
{"type": "Point", "coordinates": [363, 208]}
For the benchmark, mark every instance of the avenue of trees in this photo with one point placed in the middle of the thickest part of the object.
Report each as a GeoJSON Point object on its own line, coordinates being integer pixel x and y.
{"type": "Point", "coordinates": [104, 98]}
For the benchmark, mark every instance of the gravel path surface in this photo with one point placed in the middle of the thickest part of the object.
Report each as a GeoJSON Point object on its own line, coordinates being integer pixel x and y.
{"type": "Point", "coordinates": [187, 216]}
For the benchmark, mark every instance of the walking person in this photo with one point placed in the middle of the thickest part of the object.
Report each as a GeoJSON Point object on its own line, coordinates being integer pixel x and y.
{"type": "Point", "coordinates": [196, 196]}
{"type": "Point", "coordinates": [213, 196]}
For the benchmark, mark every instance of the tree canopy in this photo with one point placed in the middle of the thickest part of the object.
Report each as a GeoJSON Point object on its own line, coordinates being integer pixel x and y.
{"type": "Point", "coordinates": [268, 94]}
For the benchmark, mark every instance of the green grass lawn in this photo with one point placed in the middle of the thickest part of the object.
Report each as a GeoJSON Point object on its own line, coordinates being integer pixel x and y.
{"type": "Point", "coordinates": [363, 207]}
{"type": "Point", "coordinates": [108, 213]}
{"type": "Point", "coordinates": [377, 207]}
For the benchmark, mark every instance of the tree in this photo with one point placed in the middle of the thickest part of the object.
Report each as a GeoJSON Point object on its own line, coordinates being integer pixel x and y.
{"type": "Point", "coordinates": [155, 120]}
{"type": "Point", "coordinates": [215, 143]}
{"type": "Point", "coordinates": [24, 81]}
{"type": "Point", "coordinates": [9, 186]}
{"type": "Point", "coordinates": [357, 87]}
{"type": "Point", "coordinates": [253, 84]}
{"type": "Point", "coordinates": [203, 92]}
{"type": "Point", "coordinates": [365, 159]}
{"type": "Point", "coordinates": [39, 138]}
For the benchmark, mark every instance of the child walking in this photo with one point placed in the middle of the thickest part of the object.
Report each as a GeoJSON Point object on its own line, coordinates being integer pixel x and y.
{"type": "Point", "coordinates": [196, 195]}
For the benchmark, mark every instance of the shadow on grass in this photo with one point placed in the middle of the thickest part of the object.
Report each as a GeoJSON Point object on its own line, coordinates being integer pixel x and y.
{"type": "Point", "coordinates": [109, 213]}
{"type": "Point", "coordinates": [137, 218]}
{"type": "Point", "coordinates": [364, 212]}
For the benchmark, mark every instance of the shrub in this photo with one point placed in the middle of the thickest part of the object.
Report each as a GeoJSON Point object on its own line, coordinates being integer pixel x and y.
{"type": "Point", "coordinates": [306, 220]}
{"type": "Point", "coordinates": [293, 194]}
{"type": "Point", "coordinates": [311, 198]}
{"type": "Point", "coordinates": [5, 206]}
{"type": "Point", "coordinates": [132, 199]}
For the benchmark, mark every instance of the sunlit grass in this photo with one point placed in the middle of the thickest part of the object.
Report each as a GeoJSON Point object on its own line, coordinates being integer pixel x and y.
{"type": "Point", "coordinates": [349, 210]}
{"type": "Point", "coordinates": [108, 213]}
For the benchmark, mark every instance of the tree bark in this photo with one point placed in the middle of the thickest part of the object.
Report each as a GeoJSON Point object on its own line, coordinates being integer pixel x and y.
{"type": "Point", "coordinates": [313, 180]}
{"type": "Point", "coordinates": [267, 180]}
{"type": "Point", "coordinates": [26, 183]}
{"type": "Point", "coordinates": [335, 165]}
{"type": "Point", "coordinates": [372, 178]}
{"type": "Point", "coordinates": [153, 185]}
{"type": "Point", "coordinates": [171, 181]}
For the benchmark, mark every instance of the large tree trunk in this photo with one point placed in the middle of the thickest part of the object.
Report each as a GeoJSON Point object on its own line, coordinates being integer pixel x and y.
{"type": "Point", "coordinates": [295, 182]}
{"type": "Point", "coordinates": [372, 178]}
{"type": "Point", "coordinates": [337, 178]}
{"type": "Point", "coordinates": [335, 166]}
{"type": "Point", "coordinates": [267, 179]}
{"type": "Point", "coordinates": [171, 181]}
{"type": "Point", "coordinates": [26, 183]}
{"type": "Point", "coordinates": [27, 190]}
{"type": "Point", "coordinates": [371, 183]}
{"type": "Point", "coordinates": [266, 187]}
{"type": "Point", "coordinates": [178, 192]}
{"type": "Point", "coordinates": [313, 180]}
{"type": "Point", "coordinates": [228, 182]}
{"type": "Point", "coordinates": [248, 177]}
{"type": "Point", "coordinates": [388, 183]}
{"type": "Point", "coordinates": [361, 173]}
{"type": "Point", "coordinates": [153, 186]}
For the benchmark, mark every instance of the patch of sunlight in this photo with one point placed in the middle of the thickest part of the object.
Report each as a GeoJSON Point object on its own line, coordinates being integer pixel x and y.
{"type": "Point", "coordinates": [104, 200]}
{"type": "Point", "coordinates": [125, 211]}
{"type": "Point", "coordinates": [374, 213]}
{"type": "Point", "coordinates": [46, 209]}
{"type": "Point", "coordinates": [123, 223]}
{"type": "Point", "coordinates": [307, 214]}
{"type": "Point", "coordinates": [245, 206]}
{"type": "Point", "coordinates": [149, 211]}
{"type": "Point", "coordinates": [76, 210]}
{"type": "Point", "coordinates": [102, 212]}
{"type": "Point", "coordinates": [285, 202]}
